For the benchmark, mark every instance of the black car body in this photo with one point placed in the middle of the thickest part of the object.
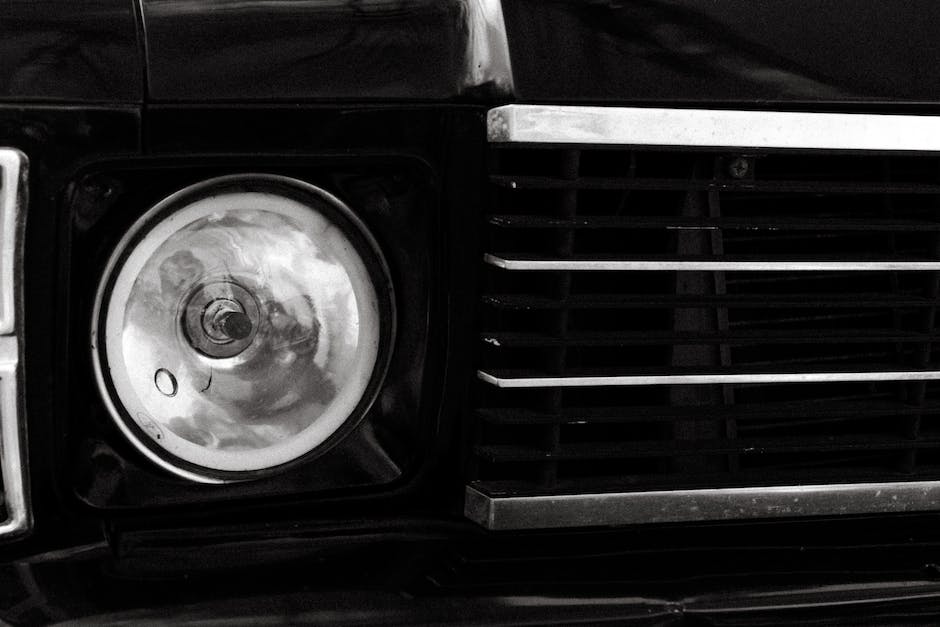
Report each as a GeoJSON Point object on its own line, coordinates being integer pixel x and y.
{"type": "Point", "coordinates": [387, 104]}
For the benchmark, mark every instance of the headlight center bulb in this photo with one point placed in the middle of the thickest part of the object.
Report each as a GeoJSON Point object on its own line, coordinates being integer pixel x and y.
{"type": "Point", "coordinates": [221, 318]}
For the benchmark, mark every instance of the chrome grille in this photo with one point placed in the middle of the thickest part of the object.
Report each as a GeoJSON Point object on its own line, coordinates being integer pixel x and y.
{"type": "Point", "coordinates": [695, 319]}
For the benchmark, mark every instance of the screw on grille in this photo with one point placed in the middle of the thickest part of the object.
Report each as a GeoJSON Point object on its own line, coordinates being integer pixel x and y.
{"type": "Point", "coordinates": [739, 168]}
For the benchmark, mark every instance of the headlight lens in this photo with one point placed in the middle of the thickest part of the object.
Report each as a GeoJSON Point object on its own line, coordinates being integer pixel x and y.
{"type": "Point", "coordinates": [241, 324]}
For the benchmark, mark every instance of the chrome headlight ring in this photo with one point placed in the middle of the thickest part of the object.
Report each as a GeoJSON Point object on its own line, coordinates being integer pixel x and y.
{"type": "Point", "coordinates": [241, 326]}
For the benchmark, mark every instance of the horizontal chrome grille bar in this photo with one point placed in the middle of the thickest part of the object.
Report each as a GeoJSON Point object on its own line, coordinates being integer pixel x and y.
{"type": "Point", "coordinates": [705, 379]}
{"type": "Point", "coordinates": [675, 265]}
{"type": "Point", "coordinates": [702, 128]}
{"type": "Point", "coordinates": [501, 513]}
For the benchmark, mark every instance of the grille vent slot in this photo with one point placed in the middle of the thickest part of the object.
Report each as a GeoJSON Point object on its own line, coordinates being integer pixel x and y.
{"type": "Point", "coordinates": [829, 270]}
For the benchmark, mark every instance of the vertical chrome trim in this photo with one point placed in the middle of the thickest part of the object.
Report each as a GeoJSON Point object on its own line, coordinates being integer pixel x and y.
{"type": "Point", "coordinates": [13, 471]}
{"type": "Point", "coordinates": [706, 128]}
{"type": "Point", "coordinates": [13, 171]}
{"type": "Point", "coordinates": [12, 448]}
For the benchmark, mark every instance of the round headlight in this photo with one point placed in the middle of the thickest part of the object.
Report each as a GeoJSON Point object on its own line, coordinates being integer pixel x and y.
{"type": "Point", "coordinates": [241, 324]}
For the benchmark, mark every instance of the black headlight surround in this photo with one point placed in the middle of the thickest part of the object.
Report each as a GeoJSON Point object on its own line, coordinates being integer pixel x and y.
{"type": "Point", "coordinates": [393, 196]}
{"type": "Point", "coordinates": [353, 228]}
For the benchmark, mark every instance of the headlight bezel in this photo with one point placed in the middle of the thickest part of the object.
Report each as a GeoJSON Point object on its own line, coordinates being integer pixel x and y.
{"type": "Point", "coordinates": [355, 230]}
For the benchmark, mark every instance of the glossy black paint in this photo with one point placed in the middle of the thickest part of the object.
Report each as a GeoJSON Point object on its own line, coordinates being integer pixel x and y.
{"type": "Point", "coordinates": [403, 552]}
{"type": "Point", "coordinates": [641, 51]}
{"type": "Point", "coordinates": [268, 50]}
{"type": "Point", "coordinates": [732, 51]}
{"type": "Point", "coordinates": [85, 51]}
{"type": "Point", "coordinates": [425, 571]}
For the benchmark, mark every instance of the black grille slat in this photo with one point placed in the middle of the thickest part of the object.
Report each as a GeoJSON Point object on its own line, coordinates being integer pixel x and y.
{"type": "Point", "coordinates": [646, 449]}
{"type": "Point", "coordinates": [687, 185]}
{"type": "Point", "coordinates": [828, 336]}
{"type": "Point", "coordinates": [577, 204]}
{"type": "Point", "coordinates": [765, 412]}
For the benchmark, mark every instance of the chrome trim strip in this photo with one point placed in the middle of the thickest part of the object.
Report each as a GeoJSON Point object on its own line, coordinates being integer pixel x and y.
{"type": "Point", "coordinates": [13, 171]}
{"type": "Point", "coordinates": [15, 484]}
{"type": "Point", "coordinates": [12, 446]}
{"type": "Point", "coordinates": [705, 128]}
{"type": "Point", "coordinates": [705, 379]}
{"type": "Point", "coordinates": [673, 506]}
{"type": "Point", "coordinates": [675, 265]}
